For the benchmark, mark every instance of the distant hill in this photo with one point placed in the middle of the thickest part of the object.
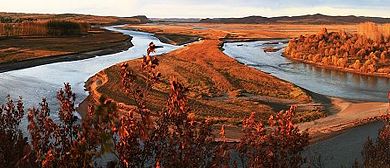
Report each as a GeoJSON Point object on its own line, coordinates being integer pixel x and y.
{"type": "Point", "coordinates": [92, 19]}
{"type": "Point", "coordinates": [304, 19]}
{"type": "Point", "coordinates": [176, 20]}
{"type": "Point", "coordinates": [141, 19]}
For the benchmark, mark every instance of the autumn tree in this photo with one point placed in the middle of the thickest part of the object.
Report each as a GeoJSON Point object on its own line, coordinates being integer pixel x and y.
{"type": "Point", "coordinates": [280, 145]}
{"type": "Point", "coordinates": [13, 144]}
{"type": "Point", "coordinates": [61, 144]}
{"type": "Point", "coordinates": [342, 49]}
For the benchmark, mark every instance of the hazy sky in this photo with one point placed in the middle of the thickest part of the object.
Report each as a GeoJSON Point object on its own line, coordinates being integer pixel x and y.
{"type": "Point", "coordinates": [201, 8]}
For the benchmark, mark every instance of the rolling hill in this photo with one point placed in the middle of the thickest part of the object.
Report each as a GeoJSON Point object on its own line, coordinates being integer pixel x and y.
{"type": "Point", "coordinates": [304, 19]}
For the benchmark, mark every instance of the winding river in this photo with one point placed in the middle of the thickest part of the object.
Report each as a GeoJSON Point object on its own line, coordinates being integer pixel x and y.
{"type": "Point", "coordinates": [44, 81]}
{"type": "Point", "coordinates": [339, 150]}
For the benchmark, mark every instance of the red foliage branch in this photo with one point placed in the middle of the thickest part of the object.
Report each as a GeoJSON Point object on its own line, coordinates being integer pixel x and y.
{"type": "Point", "coordinates": [280, 145]}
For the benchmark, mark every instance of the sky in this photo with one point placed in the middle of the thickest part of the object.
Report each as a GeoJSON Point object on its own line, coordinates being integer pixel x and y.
{"type": "Point", "coordinates": [201, 8]}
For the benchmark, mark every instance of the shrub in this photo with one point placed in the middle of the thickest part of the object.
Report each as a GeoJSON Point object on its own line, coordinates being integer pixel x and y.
{"type": "Point", "coordinates": [13, 144]}
{"type": "Point", "coordinates": [61, 144]}
{"type": "Point", "coordinates": [280, 146]}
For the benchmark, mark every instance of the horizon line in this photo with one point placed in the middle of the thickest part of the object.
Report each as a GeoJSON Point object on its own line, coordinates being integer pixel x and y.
{"type": "Point", "coordinates": [48, 13]}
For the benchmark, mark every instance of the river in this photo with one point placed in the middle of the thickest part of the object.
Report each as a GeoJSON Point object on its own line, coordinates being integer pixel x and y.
{"type": "Point", "coordinates": [44, 81]}
{"type": "Point", "coordinates": [342, 149]}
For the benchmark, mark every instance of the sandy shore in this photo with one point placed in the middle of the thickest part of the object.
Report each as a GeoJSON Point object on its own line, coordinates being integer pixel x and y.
{"type": "Point", "coordinates": [346, 114]}
{"type": "Point", "coordinates": [92, 84]}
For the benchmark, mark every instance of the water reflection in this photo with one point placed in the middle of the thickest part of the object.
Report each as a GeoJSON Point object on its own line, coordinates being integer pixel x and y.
{"type": "Point", "coordinates": [356, 79]}
{"type": "Point", "coordinates": [327, 73]}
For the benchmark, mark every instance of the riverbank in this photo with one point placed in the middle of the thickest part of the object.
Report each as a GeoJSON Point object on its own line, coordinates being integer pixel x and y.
{"type": "Point", "coordinates": [23, 52]}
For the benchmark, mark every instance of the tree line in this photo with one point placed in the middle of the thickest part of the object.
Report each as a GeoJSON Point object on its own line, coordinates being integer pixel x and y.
{"type": "Point", "coordinates": [367, 51]}
{"type": "Point", "coordinates": [15, 20]}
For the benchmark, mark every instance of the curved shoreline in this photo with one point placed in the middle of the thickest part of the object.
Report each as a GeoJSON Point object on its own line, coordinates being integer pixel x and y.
{"type": "Point", "coordinates": [349, 115]}
{"type": "Point", "coordinates": [122, 46]}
